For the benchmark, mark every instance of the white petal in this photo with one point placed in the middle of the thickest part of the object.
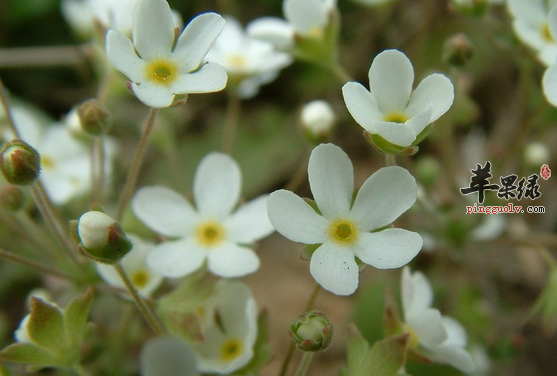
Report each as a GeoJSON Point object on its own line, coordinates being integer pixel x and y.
{"type": "Point", "coordinates": [306, 15]}
{"type": "Point", "coordinates": [335, 269]}
{"type": "Point", "coordinates": [153, 29]}
{"type": "Point", "coordinates": [197, 39]}
{"type": "Point", "coordinates": [390, 78]}
{"type": "Point", "coordinates": [295, 219]}
{"type": "Point", "coordinates": [436, 89]}
{"type": "Point", "coordinates": [455, 356]}
{"type": "Point", "coordinates": [428, 327]}
{"type": "Point", "coordinates": [231, 261]}
{"type": "Point", "coordinates": [250, 222]}
{"type": "Point", "coordinates": [420, 120]}
{"type": "Point", "coordinates": [417, 294]}
{"type": "Point", "coordinates": [209, 78]}
{"type": "Point", "coordinates": [273, 30]}
{"type": "Point", "coordinates": [552, 20]}
{"type": "Point", "coordinates": [164, 211]}
{"type": "Point", "coordinates": [153, 95]}
{"type": "Point", "coordinates": [331, 178]}
{"type": "Point", "coordinates": [176, 259]}
{"type": "Point", "coordinates": [456, 332]}
{"type": "Point", "coordinates": [388, 249]}
{"type": "Point", "coordinates": [396, 133]}
{"type": "Point", "coordinates": [122, 55]}
{"type": "Point", "coordinates": [168, 356]}
{"type": "Point", "coordinates": [549, 84]}
{"type": "Point", "coordinates": [361, 105]}
{"type": "Point", "coordinates": [530, 11]}
{"type": "Point", "coordinates": [383, 197]}
{"type": "Point", "coordinates": [216, 185]}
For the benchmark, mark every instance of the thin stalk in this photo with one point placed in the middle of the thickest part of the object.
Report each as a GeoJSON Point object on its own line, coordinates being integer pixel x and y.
{"type": "Point", "coordinates": [144, 309]}
{"type": "Point", "coordinates": [304, 364]}
{"type": "Point", "coordinates": [6, 106]}
{"type": "Point", "coordinates": [97, 169]}
{"type": "Point", "coordinates": [231, 122]}
{"type": "Point", "coordinates": [133, 174]}
{"type": "Point", "coordinates": [19, 227]}
{"type": "Point", "coordinates": [34, 265]}
{"type": "Point", "coordinates": [36, 234]}
{"type": "Point", "coordinates": [339, 72]}
{"type": "Point", "coordinates": [299, 175]}
{"type": "Point", "coordinates": [390, 160]}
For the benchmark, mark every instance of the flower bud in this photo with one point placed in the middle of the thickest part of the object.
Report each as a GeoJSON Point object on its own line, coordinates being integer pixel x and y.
{"type": "Point", "coordinates": [12, 198]}
{"type": "Point", "coordinates": [101, 237]}
{"type": "Point", "coordinates": [317, 119]}
{"type": "Point", "coordinates": [458, 50]}
{"type": "Point", "coordinates": [94, 117]}
{"type": "Point", "coordinates": [312, 331]}
{"type": "Point", "coordinates": [20, 163]}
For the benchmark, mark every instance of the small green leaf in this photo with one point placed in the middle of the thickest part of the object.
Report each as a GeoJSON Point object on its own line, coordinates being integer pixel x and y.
{"type": "Point", "coordinates": [75, 318]}
{"type": "Point", "coordinates": [389, 355]}
{"type": "Point", "coordinates": [30, 354]}
{"type": "Point", "coordinates": [359, 363]}
{"type": "Point", "coordinates": [46, 325]}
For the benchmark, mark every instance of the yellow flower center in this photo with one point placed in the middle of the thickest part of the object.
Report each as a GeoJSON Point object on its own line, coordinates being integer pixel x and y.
{"type": "Point", "coordinates": [237, 61]}
{"type": "Point", "coordinates": [396, 117]}
{"type": "Point", "coordinates": [231, 349]}
{"type": "Point", "coordinates": [140, 278]}
{"type": "Point", "coordinates": [343, 231]}
{"type": "Point", "coordinates": [546, 33]}
{"type": "Point", "coordinates": [413, 340]}
{"type": "Point", "coordinates": [47, 162]}
{"type": "Point", "coordinates": [316, 32]}
{"type": "Point", "coordinates": [210, 234]}
{"type": "Point", "coordinates": [161, 71]}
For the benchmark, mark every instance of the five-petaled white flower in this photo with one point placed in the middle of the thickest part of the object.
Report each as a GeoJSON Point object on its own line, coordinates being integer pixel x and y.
{"type": "Point", "coordinates": [346, 229]}
{"type": "Point", "coordinates": [390, 109]}
{"type": "Point", "coordinates": [440, 338]}
{"type": "Point", "coordinates": [531, 25]}
{"type": "Point", "coordinates": [159, 68]}
{"type": "Point", "coordinates": [249, 62]}
{"type": "Point", "coordinates": [212, 231]}
{"type": "Point", "coordinates": [229, 329]}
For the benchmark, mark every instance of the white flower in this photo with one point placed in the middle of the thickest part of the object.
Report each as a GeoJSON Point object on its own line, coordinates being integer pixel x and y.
{"type": "Point", "coordinates": [317, 118]}
{"type": "Point", "coordinates": [440, 338]}
{"type": "Point", "coordinates": [390, 109]}
{"type": "Point", "coordinates": [531, 25]}
{"type": "Point", "coordinates": [249, 62]}
{"type": "Point", "coordinates": [144, 279]}
{"type": "Point", "coordinates": [229, 339]}
{"type": "Point", "coordinates": [212, 231]}
{"type": "Point", "coordinates": [306, 18]}
{"type": "Point", "coordinates": [347, 229]}
{"type": "Point", "coordinates": [167, 356]}
{"type": "Point", "coordinates": [160, 69]}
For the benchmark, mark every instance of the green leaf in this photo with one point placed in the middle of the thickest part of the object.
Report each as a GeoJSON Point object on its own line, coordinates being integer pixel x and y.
{"type": "Point", "coordinates": [359, 363]}
{"type": "Point", "coordinates": [30, 354]}
{"type": "Point", "coordinates": [75, 318]}
{"type": "Point", "coordinates": [46, 325]}
{"type": "Point", "coordinates": [389, 355]}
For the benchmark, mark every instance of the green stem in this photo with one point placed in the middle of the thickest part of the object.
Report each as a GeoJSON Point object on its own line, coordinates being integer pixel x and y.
{"type": "Point", "coordinates": [340, 73]}
{"type": "Point", "coordinates": [299, 175]}
{"type": "Point", "coordinates": [133, 174]}
{"type": "Point", "coordinates": [231, 122]}
{"type": "Point", "coordinates": [6, 106]}
{"type": "Point", "coordinates": [390, 160]}
{"type": "Point", "coordinates": [34, 265]}
{"type": "Point", "coordinates": [144, 309]}
{"type": "Point", "coordinates": [304, 364]}
{"type": "Point", "coordinates": [97, 169]}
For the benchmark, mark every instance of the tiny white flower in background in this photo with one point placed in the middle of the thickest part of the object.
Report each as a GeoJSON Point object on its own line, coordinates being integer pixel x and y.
{"type": "Point", "coordinates": [391, 109]}
{"type": "Point", "coordinates": [250, 61]}
{"type": "Point", "coordinates": [135, 264]}
{"type": "Point", "coordinates": [438, 337]}
{"type": "Point", "coordinates": [307, 18]}
{"type": "Point", "coordinates": [213, 231]}
{"type": "Point", "coordinates": [532, 26]}
{"type": "Point", "coordinates": [229, 340]}
{"type": "Point", "coordinates": [317, 118]}
{"type": "Point", "coordinates": [536, 154]}
{"type": "Point", "coordinates": [347, 229]}
{"type": "Point", "coordinates": [158, 67]}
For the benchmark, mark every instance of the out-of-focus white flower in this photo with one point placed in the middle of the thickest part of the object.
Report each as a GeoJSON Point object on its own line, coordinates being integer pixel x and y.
{"type": "Point", "coordinates": [317, 119]}
{"type": "Point", "coordinates": [305, 18]}
{"type": "Point", "coordinates": [135, 264]}
{"type": "Point", "coordinates": [213, 231]}
{"type": "Point", "coordinates": [347, 228]}
{"type": "Point", "coordinates": [249, 62]}
{"type": "Point", "coordinates": [160, 68]}
{"type": "Point", "coordinates": [532, 26]}
{"type": "Point", "coordinates": [230, 331]}
{"type": "Point", "coordinates": [549, 80]}
{"type": "Point", "coordinates": [440, 338]}
{"type": "Point", "coordinates": [168, 356]}
{"type": "Point", "coordinates": [391, 109]}
{"type": "Point", "coordinates": [536, 154]}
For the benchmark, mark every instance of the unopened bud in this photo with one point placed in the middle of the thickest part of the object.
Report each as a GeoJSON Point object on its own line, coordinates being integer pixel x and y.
{"type": "Point", "coordinates": [101, 237]}
{"type": "Point", "coordinates": [458, 50]}
{"type": "Point", "coordinates": [312, 331]}
{"type": "Point", "coordinates": [20, 163]}
{"type": "Point", "coordinates": [12, 198]}
{"type": "Point", "coordinates": [317, 120]}
{"type": "Point", "coordinates": [94, 117]}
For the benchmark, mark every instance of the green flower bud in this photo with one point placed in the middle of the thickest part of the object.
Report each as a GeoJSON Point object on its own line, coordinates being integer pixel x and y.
{"type": "Point", "coordinates": [20, 163]}
{"type": "Point", "coordinates": [94, 117]}
{"type": "Point", "coordinates": [458, 50]}
{"type": "Point", "coordinates": [312, 331]}
{"type": "Point", "coordinates": [12, 198]}
{"type": "Point", "coordinates": [101, 237]}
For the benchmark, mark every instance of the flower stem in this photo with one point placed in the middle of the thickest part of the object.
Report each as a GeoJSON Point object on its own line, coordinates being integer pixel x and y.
{"type": "Point", "coordinates": [340, 73]}
{"type": "Point", "coordinates": [133, 174]}
{"type": "Point", "coordinates": [6, 106]}
{"type": "Point", "coordinates": [231, 122]}
{"type": "Point", "coordinates": [97, 169]}
{"type": "Point", "coordinates": [34, 265]}
{"type": "Point", "coordinates": [304, 364]}
{"type": "Point", "coordinates": [299, 175]}
{"type": "Point", "coordinates": [146, 312]}
{"type": "Point", "coordinates": [390, 160]}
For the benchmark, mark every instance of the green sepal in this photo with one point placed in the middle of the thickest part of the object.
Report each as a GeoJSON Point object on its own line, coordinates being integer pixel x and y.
{"type": "Point", "coordinates": [46, 326]}
{"type": "Point", "coordinates": [386, 147]}
{"type": "Point", "coordinates": [320, 49]}
{"type": "Point", "coordinates": [308, 251]}
{"type": "Point", "coordinates": [30, 354]}
{"type": "Point", "coordinates": [76, 316]}
{"type": "Point", "coordinates": [392, 324]}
